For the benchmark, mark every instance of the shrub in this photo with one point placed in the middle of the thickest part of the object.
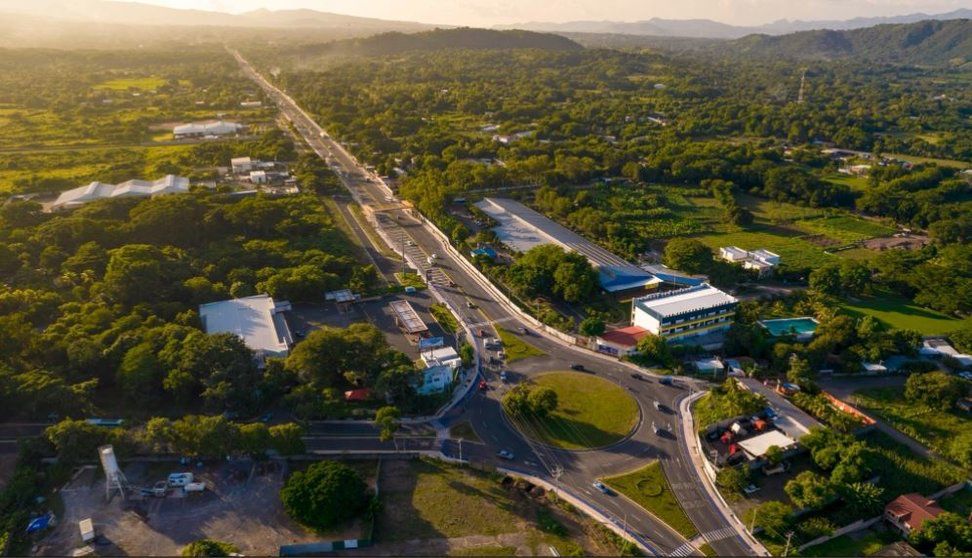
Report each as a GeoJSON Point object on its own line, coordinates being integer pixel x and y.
{"type": "Point", "coordinates": [208, 548]}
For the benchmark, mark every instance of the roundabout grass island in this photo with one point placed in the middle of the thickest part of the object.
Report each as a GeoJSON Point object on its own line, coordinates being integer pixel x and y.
{"type": "Point", "coordinates": [591, 412]}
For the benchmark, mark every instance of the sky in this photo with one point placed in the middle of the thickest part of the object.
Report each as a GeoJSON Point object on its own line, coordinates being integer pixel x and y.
{"type": "Point", "coordinates": [492, 12]}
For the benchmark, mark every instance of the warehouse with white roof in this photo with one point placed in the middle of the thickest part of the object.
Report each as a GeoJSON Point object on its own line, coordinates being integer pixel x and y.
{"type": "Point", "coordinates": [206, 129]}
{"type": "Point", "coordinates": [521, 228]}
{"type": "Point", "coordinates": [682, 313]}
{"type": "Point", "coordinates": [169, 184]}
{"type": "Point", "coordinates": [257, 320]}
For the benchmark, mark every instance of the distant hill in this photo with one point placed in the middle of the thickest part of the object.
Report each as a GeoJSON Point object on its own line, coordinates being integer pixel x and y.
{"type": "Point", "coordinates": [923, 43]}
{"type": "Point", "coordinates": [133, 13]}
{"type": "Point", "coordinates": [706, 28]}
{"type": "Point", "coordinates": [438, 39]}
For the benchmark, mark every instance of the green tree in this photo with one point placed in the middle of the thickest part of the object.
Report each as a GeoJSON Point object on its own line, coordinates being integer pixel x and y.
{"type": "Point", "coordinates": [386, 419]}
{"type": "Point", "coordinates": [809, 490]}
{"type": "Point", "coordinates": [826, 280]}
{"type": "Point", "coordinates": [688, 255]}
{"type": "Point", "coordinates": [592, 326]}
{"type": "Point", "coordinates": [324, 495]}
{"type": "Point", "coordinates": [934, 389]}
{"type": "Point", "coordinates": [772, 516]}
{"type": "Point", "coordinates": [542, 401]}
{"type": "Point", "coordinates": [655, 348]}
{"type": "Point", "coordinates": [949, 528]}
{"type": "Point", "coordinates": [208, 548]}
{"type": "Point", "coordinates": [733, 479]}
{"type": "Point", "coordinates": [863, 498]}
{"type": "Point", "coordinates": [286, 439]}
{"type": "Point", "coordinates": [140, 373]}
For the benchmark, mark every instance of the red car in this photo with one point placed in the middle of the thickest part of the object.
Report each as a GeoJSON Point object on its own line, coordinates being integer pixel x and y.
{"type": "Point", "coordinates": [483, 386]}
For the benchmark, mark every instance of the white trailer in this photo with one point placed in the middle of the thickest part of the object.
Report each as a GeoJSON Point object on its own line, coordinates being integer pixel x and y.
{"type": "Point", "coordinates": [86, 526]}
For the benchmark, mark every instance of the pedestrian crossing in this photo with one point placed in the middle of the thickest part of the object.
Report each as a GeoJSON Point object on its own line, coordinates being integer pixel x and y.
{"type": "Point", "coordinates": [719, 534]}
{"type": "Point", "coordinates": [684, 550]}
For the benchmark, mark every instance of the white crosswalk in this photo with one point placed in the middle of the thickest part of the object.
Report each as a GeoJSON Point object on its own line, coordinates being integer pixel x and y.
{"type": "Point", "coordinates": [719, 534]}
{"type": "Point", "coordinates": [684, 550]}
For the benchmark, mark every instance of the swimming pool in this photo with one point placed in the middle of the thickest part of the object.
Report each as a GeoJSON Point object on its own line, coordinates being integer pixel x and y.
{"type": "Point", "coordinates": [800, 327]}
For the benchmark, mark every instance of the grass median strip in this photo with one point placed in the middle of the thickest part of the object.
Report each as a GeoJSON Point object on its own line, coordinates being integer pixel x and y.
{"type": "Point", "coordinates": [649, 488]}
{"type": "Point", "coordinates": [445, 318]}
{"type": "Point", "coordinates": [516, 348]}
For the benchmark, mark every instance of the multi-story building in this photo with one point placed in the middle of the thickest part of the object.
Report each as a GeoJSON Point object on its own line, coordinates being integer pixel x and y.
{"type": "Point", "coordinates": [684, 313]}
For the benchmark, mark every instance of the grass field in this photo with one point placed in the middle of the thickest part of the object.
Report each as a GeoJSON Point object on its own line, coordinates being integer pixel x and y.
{"type": "Point", "coordinates": [146, 83]}
{"type": "Point", "coordinates": [426, 500]}
{"type": "Point", "coordinates": [649, 488]}
{"type": "Point", "coordinates": [845, 545]}
{"type": "Point", "coordinates": [943, 162]}
{"type": "Point", "coordinates": [516, 348]}
{"type": "Point", "coordinates": [845, 228]}
{"type": "Point", "coordinates": [934, 428]}
{"type": "Point", "coordinates": [901, 313]}
{"type": "Point", "coordinates": [856, 183]}
{"type": "Point", "coordinates": [591, 412]}
{"type": "Point", "coordinates": [795, 251]}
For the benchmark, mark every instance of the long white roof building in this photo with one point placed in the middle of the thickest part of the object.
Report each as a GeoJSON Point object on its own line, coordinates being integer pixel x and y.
{"type": "Point", "coordinates": [169, 184]}
{"type": "Point", "coordinates": [217, 128]}
{"type": "Point", "coordinates": [521, 228]}
{"type": "Point", "coordinates": [258, 320]}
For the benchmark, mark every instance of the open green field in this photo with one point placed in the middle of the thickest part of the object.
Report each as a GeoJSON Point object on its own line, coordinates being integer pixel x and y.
{"type": "Point", "coordinates": [845, 228]}
{"type": "Point", "coordinates": [858, 544]}
{"type": "Point", "coordinates": [856, 183]}
{"type": "Point", "coordinates": [795, 252]}
{"type": "Point", "coordinates": [901, 313]}
{"type": "Point", "coordinates": [943, 162]}
{"type": "Point", "coordinates": [936, 429]}
{"type": "Point", "coordinates": [649, 488]}
{"type": "Point", "coordinates": [591, 412]}
{"type": "Point", "coordinates": [427, 500]}
{"type": "Point", "coordinates": [516, 348]}
{"type": "Point", "coordinates": [145, 83]}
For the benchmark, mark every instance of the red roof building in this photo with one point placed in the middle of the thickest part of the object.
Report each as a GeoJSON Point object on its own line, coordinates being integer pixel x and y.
{"type": "Point", "coordinates": [357, 395]}
{"type": "Point", "coordinates": [621, 342]}
{"type": "Point", "coordinates": [909, 511]}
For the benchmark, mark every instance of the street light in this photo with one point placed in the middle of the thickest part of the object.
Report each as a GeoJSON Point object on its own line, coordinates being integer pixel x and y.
{"type": "Point", "coordinates": [460, 452]}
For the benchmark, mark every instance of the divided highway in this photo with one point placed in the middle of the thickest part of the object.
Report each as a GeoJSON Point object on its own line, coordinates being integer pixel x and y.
{"type": "Point", "coordinates": [574, 472]}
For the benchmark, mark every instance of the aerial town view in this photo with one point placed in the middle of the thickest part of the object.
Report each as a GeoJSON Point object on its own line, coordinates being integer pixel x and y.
{"type": "Point", "coordinates": [486, 278]}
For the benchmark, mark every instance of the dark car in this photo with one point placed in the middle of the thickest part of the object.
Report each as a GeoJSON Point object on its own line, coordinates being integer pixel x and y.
{"type": "Point", "coordinates": [579, 367]}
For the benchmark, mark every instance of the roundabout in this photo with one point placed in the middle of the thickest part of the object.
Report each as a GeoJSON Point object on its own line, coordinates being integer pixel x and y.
{"type": "Point", "coordinates": [591, 412]}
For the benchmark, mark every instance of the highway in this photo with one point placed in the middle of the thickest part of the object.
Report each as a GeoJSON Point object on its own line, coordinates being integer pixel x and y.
{"type": "Point", "coordinates": [572, 471]}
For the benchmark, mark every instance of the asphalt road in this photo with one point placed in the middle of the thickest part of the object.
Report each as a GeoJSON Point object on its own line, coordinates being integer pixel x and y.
{"type": "Point", "coordinates": [573, 471]}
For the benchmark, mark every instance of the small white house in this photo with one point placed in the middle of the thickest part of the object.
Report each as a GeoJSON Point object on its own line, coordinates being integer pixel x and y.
{"type": "Point", "coordinates": [258, 177]}
{"type": "Point", "coordinates": [761, 261]}
{"type": "Point", "coordinates": [241, 165]}
{"type": "Point", "coordinates": [436, 379]}
{"type": "Point", "coordinates": [442, 356]}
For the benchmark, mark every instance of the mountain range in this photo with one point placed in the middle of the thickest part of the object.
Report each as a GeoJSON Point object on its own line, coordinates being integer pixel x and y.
{"type": "Point", "coordinates": [706, 28]}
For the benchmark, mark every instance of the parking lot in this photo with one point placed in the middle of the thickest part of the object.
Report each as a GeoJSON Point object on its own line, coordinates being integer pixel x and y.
{"type": "Point", "coordinates": [241, 505]}
{"type": "Point", "coordinates": [308, 317]}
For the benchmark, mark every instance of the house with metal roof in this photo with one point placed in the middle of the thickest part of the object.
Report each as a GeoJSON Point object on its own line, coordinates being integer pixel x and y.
{"type": "Point", "coordinates": [684, 313]}
{"type": "Point", "coordinates": [206, 129]}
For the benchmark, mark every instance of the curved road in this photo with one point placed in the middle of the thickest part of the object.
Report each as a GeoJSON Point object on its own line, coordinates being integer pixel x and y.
{"type": "Point", "coordinates": [572, 471]}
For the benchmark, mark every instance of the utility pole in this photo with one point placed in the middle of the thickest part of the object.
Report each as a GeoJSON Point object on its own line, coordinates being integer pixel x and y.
{"type": "Point", "coordinates": [460, 452]}
{"type": "Point", "coordinates": [787, 549]}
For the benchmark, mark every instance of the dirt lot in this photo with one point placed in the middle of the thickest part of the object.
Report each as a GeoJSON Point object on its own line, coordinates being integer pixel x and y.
{"type": "Point", "coordinates": [243, 508]}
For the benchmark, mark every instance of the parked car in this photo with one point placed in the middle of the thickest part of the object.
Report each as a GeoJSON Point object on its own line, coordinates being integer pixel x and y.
{"type": "Point", "coordinates": [505, 454]}
{"type": "Point", "coordinates": [503, 376]}
{"type": "Point", "coordinates": [160, 489]}
{"type": "Point", "coordinates": [483, 386]}
{"type": "Point", "coordinates": [179, 479]}
{"type": "Point", "coordinates": [195, 487]}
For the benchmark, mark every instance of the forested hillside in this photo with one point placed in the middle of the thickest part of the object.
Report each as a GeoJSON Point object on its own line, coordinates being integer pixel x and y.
{"type": "Point", "coordinates": [922, 43]}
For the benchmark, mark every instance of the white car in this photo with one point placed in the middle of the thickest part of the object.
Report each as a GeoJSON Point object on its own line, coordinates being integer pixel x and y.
{"type": "Point", "coordinates": [505, 454]}
{"type": "Point", "coordinates": [600, 486]}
